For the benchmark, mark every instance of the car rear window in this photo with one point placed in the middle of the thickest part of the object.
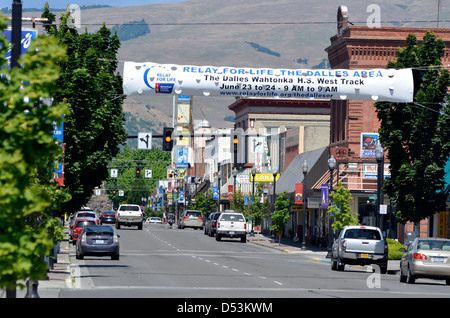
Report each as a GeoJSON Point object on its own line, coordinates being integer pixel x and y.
{"type": "Point", "coordinates": [86, 215]}
{"type": "Point", "coordinates": [434, 245]}
{"type": "Point", "coordinates": [194, 214]}
{"type": "Point", "coordinates": [366, 234]}
{"type": "Point", "coordinates": [129, 208]}
{"type": "Point", "coordinates": [84, 223]}
{"type": "Point", "coordinates": [232, 217]}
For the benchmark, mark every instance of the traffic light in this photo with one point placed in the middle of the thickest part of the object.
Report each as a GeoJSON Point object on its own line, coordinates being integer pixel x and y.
{"type": "Point", "coordinates": [138, 172]}
{"type": "Point", "coordinates": [237, 146]}
{"type": "Point", "coordinates": [167, 139]}
{"type": "Point", "coordinates": [114, 192]}
{"type": "Point", "coordinates": [235, 149]}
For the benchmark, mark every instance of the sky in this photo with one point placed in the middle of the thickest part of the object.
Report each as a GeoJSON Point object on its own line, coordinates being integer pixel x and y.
{"type": "Point", "coordinates": [63, 3]}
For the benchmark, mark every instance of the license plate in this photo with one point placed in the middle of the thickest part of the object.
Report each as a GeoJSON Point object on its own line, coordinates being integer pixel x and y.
{"type": "Point", "coordinates": [99, 242]}
{"type": "Point", "coordinates": [231, 232]}
{"type": "Point", "coordinates": [364, 255]}
{"type": "Point", "coordinates": [438, 259]}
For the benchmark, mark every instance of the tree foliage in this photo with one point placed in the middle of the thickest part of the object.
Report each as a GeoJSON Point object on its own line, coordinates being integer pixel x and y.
{"type": "Point", "coordinates": [94, 129]}
{"type": "Point", "coordinates": [340, 208]}
{"type": "Point", "coordinates": [416, 134]}
{"type": "Point", "coordinates": [134, 188]}
{"type": "Point", "coordinates": [281, 214]}
{"type": "Point", "coordinates": [28, 153]}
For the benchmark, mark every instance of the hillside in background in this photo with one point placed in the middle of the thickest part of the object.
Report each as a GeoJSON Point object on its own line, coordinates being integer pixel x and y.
{"type": "Point", "coordinates": [251, 33]}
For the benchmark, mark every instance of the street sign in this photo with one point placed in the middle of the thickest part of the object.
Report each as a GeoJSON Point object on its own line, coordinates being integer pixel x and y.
{"type": "Point", "coordinates": [113, 173]}
{"type": "Point", "coordinates": [257, 145]}
{"type": "Point", "coordinates": [145, 140]}
{"type": "Point", "coordinates": [148, 174]}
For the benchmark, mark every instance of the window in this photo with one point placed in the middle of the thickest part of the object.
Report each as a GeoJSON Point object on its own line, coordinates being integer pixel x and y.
{"type": "Point", "coordinates": [365, 234]}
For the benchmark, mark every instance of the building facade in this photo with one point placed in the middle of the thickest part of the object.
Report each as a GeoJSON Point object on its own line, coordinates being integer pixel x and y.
{"type": "Point", "coordinates": [362, 47]}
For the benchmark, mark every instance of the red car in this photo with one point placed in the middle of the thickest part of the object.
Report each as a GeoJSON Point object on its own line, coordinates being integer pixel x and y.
{"type": "Point", "coordinates": [78, 226]}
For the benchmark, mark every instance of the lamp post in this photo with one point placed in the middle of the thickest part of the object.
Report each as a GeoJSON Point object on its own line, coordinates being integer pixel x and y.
{"type": "Point", "coordinates": [305, 172]}
{"type": "Point", "coordinates": [235, 173]}
{"type": "Point", "coordinates": [253, 171]}
{"type": "Point", "coordinates": [274, 173]}
{"type": "Point", "coordinates": [331, 166]}
{"type": "Point", "coordinates": [379, 154]}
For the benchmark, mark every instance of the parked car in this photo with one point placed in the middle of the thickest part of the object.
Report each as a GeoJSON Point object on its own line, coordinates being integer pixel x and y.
{"type": "Point", "coordinates": [87, 214]}
{"type": "Point", "coordinates": [359, 245]}
{"type": "Point", "coordinates": [82, 215]}
{"type": "Point", "coordinates": [191, 218]}
{"type": "Point", "coordinates": [154, 220]}
{"type": "Point", "coordinates": [426, 258]}
{"type": "Point", "coordinates": [78, 226]}
{"type": "Point", "coordinates": [108, 217]}
{"type": "Point", "coordinates": [211, 222]}
{"type": "Point", "coordinates": [231, 225]}
{"type": "Point", "coordinates": [98, 240]}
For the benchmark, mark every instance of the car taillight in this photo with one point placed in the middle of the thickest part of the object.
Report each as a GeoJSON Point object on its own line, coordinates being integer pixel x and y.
{"type": "Point", "coordinates": [420, 256]}
{"type": "Point", "coordinates": [201, 218]}
{"type": "Point", "coordinates": [344, 244]}
{"type": "Point", "coordinates": [116, 238]}
{"type": "Point", "coordinates": [83, 239]}
{"type": "Point", "coordinates": [186, 217]}
{"type": "Point", "coordinates": [213, 223]}
{"type": "Point", "coordinates": [245, 226]}
{"type": "Point", "coordinates": [218, 224]}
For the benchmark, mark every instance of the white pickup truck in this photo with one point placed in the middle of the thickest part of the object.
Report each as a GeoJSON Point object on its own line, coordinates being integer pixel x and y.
{"type": "Point", "coordinates": [231, 225]}
{"type": "Point", "coordinates": [359, 245]}
{"type": "Point", "coordinates": [129, 215]}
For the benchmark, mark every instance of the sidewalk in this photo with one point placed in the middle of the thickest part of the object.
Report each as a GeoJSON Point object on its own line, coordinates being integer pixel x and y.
{"type": "Point", "coordinates": [313, 252]}
{"type": "Point", "coordinates": [56, 277]}
{"type": "Point", "coordinates": [287, 245]}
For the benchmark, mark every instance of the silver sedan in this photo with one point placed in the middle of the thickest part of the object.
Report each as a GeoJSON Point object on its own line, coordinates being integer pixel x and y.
{"type": "Point", "coordinates": [426, 258]}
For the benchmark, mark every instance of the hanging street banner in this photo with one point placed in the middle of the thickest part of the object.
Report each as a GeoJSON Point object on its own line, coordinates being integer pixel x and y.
{"type": "Point", "coordinates": [389, 85]}
{"type": "Point", "coordinates": [27, 36]}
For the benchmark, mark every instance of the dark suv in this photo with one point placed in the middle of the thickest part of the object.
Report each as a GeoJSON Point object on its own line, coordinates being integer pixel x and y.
{"type": "Point", "coordinates": [211, 222]}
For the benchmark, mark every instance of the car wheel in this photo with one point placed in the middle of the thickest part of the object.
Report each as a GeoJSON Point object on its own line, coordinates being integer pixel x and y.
{"type": "Point", "coordinates": [118, 225]}
{"type": "Point", "coordinates": [115, 257]}
{"type": "Point", "coordinates": [402, 277]}
{"type": "Point", "coordinates": [410, 279]}
{"type": "Point", "coordinates": [79, 256]}
{"type": "Point", "coordinates": [383, 268]}
{"type": "Point", "coordinates": [333, 264]}
{"type": "Point", "coordinates": [339, 266]}
{"type": "Point", "coordinates": [217, 237]}
{"type": "Point", "coordinates": [447, 281]}
{"type": "Point", "coordinates": [244, 239]}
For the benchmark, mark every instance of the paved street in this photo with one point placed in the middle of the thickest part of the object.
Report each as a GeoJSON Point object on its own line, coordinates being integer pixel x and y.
{"type": "Point", "coordinates": [164, 262]}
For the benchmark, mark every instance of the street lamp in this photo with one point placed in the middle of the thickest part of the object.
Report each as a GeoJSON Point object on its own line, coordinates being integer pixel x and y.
{"type": "Point", "coordinates": [331, 166]}
{"type": "Point", "coordinates": [253, 171]}
{"type": "Point", "coordinates": [274, 173]}
{"type": "Point", "coordinates": [235, 173]}
{"type": "Point", "coordinates": [379, 154]}
{"type": "Point", "coordinates": [305, 168]}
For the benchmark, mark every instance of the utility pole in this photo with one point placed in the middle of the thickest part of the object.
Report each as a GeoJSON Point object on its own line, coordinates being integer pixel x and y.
{"type": "Point", "coordinates": [16, 32]}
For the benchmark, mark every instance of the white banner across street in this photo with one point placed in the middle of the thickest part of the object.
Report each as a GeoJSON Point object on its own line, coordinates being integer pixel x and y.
{"type": "Point", "coordinates": [376, 84]}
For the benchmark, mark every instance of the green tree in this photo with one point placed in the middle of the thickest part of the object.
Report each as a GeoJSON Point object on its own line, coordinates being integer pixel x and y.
{"type": "Point", "coordinates": [258, 209]}
{"type": "Point", "coordinates": [134, 188]}
{"type": "Point", "coordinates": [281, 214]}
{"type": "Point", "coordinates": [94, 129]}
{"type": "Point", "coordinates": [340, 208]}
{"type": "Point", "coordinates": [205, 202]}
{"type": "Point", "coordinates": [416, 134]}
{"type": "Point", "coordinates": [28, 153]}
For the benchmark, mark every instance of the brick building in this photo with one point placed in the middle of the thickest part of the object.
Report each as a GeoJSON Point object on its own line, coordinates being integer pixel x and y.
{"type": "Point", "coordinates": [362, 47]}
